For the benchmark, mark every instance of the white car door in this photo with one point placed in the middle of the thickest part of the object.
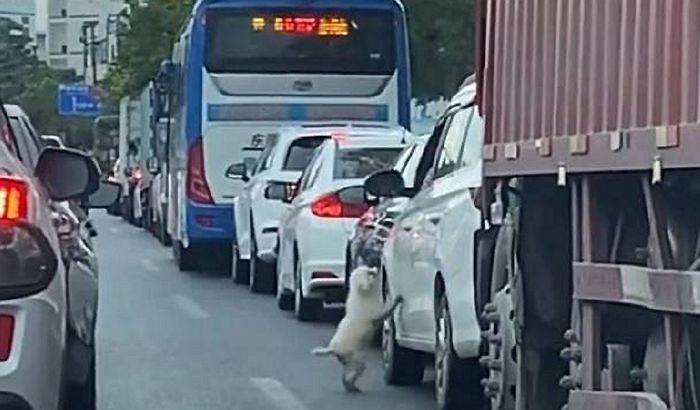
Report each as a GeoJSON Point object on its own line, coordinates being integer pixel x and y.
{"type": "Point", "coordinates": [441, 193]}
{"type": "Point", "coordinates": [289, 226]}
{"type": "Point", "coordinates": [243, 203]}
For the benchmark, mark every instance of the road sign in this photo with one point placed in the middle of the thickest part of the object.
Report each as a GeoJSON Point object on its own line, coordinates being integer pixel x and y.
{"type": "Point", "coordinates": [78, 100]}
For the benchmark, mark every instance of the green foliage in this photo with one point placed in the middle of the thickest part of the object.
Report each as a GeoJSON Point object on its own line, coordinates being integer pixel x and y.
{"type": "Point", "coordinates": [148, 40]}
{"type": "Point", "coordinates": [34, 86]}
{"type": "Point", "coordinates": [442, 44]}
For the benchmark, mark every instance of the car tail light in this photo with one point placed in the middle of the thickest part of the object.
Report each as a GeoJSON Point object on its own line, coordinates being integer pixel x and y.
{"type": "Point", "coordinates": [7, 330]}
{"type": "Point", "coordinates": [197, 187]}
{"type": "Point", "coordinates": [330, 206]}
{"type": "Point", "coordinates": [13, 199]}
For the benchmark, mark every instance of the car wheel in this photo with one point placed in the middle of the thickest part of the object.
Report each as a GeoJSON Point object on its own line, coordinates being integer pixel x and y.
{"type": "Point", "coordinates": [402, 367]}
{"type": "Point", "coordinates": [261, 272]}
{"type": "Point", "coordinates": [285, 299]}
{"type": "Point", "coordinates": [83, 396]}
{"type": "Point", "coordinates": [185, 258]}
{"type": "Point", "coordinates": [305, 309]}
{"type": "Point", "coordinates": [239, 268]}
{"type": "Point", "coordinates": [457, 381]}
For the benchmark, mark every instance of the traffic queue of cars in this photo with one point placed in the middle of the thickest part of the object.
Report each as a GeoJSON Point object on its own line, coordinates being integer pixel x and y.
{"type": "Point", "coordinates": [322, 199]}
{"type": "Point", "coordinates": [48, 269]}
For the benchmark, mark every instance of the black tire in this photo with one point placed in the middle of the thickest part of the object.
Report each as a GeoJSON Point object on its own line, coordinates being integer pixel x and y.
{"type": "Point", "coordinates": [83, 396]}
{"type": "Point", "coordinates": [457, 381]}
{"type": "Point", "coordinates": [402, 367]}
{"type": "Point", "coordinates": [239, 268]}
{"type": "Point", "coordinates": [163, 235]}
{"type": "Point", "coordinates": [185, 258]}
{"type": "Point", "coordinates": [305, 309]}
{"type": "Point", "coordinates": [285, 301]}
{"type": "Point", "coordinates": [261, 272]}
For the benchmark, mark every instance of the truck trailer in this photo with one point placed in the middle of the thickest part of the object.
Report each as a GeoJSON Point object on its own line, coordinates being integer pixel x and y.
{"type": "Point", "coordinates": [588, 261]}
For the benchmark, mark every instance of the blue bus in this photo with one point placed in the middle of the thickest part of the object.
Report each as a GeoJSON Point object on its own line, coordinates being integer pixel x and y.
{"type": "Point", "coordinates": [243, 69]}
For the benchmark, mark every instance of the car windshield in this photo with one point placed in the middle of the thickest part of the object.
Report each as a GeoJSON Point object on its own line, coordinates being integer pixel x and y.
{"type": "Point", "coordinates": [352, 163]}
{"type": "Point", "coordinates": [300, 152]}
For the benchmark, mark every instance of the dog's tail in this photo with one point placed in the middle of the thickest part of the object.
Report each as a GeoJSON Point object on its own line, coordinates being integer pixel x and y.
{"type": "Point", "coordinates": [322, 351]}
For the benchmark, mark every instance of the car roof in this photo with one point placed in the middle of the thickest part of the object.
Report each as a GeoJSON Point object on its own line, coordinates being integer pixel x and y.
{"type": "Point", "coordinates": [14, 110]}
{"type": "Point", "coordinates": [340, 127]}
{"type": "Point", "coordinates": [371, 141]}
{"type": "Point", "coordinates": [466, 93]}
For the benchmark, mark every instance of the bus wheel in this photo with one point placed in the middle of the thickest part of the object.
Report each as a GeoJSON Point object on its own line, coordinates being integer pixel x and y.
{"type": "Point", "coordinates": [185, 258]}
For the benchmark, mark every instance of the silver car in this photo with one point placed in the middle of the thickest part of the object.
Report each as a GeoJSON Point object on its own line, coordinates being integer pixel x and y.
{"type": "Point", "coordinates": [48, 282]}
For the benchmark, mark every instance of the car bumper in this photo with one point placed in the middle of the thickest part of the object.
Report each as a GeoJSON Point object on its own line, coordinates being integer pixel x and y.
{"type": "Point", "coordinates": [329, 289]}
{"type": "Point", "coordinates": [32, 376]}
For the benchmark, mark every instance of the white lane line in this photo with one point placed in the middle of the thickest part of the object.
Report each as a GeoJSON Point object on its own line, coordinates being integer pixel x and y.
{"type": "Point", "coordinates": [150, 265]}
{"type": "Point", "coordinates": [190, 307]}
{"type": "Point", "coordinates": [280, 396]}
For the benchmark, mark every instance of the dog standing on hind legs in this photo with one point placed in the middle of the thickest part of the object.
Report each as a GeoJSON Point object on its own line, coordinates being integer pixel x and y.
{"type": "Point", "coordinates": [364, 312]}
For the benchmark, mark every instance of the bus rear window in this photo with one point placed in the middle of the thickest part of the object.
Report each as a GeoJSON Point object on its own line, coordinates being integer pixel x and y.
{"type": "Point", "coordinates": [270, 41]}
{"type": "Point", "coordinates": [352, 163]}
{"type": "Point", "coordinates": [300, 153]}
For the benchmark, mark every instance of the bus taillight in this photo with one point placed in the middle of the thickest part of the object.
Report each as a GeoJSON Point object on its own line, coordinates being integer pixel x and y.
{"type": "Point", "coordinates": [197, 187]}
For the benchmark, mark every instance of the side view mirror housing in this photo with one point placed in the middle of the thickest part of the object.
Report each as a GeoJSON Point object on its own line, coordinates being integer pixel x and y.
{"type": "Point", "coordinates": [106, 195]}
{"type": "Point", "coordinates": [238, 171]}
{"type": "Point", "coordinates": [385, 184]}
{"type": "Point", "coordinates": [67, 174]}
{"type": "Point", "coordinates": [277, 191]}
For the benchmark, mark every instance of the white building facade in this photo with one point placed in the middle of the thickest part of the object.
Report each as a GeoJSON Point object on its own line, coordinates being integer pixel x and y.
{"type": "Point", "coordinates": [71, 41]}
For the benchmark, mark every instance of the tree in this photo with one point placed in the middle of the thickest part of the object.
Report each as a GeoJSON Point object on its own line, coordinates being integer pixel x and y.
{"type": "Point", "coordinates": [152, 30]}
{"type": "Point", "coordinates": [442, 44]}
{"type": "Point", "coordinates": [30, 83]}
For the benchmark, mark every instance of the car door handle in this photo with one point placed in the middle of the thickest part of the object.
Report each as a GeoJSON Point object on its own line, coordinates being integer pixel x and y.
{"type": "Point", "coordinates": [407, 228]}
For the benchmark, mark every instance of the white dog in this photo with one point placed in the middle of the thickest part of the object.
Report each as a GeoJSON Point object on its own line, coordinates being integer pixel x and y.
{"type": "Point", "coordinates": [364, 312]}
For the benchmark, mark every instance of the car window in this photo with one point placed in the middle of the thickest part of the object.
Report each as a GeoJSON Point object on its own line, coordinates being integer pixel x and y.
{"type": "Point", "coordinates": [265, 159]}
{"type": "Point", "coordinates": [6, 134]}
{"type": "Point", "coordinates": [305, 180]}
{"type": "Point", "coordinates": [428, 158]}
{"type": "Point", "coordinates": [300, 152]}
{"type": "Point", "coordinates": [403, 158]}
{"type": "Point", "coordinates": [471, 148]}
{"type": "Point", "coordinates": [27, 154]}
{"type": "Point", "coordinates": [352, 163]}
{"type": "Point", "coordinates": [411, 167]}
{"type": "Point", "coordinates": [452, 142]}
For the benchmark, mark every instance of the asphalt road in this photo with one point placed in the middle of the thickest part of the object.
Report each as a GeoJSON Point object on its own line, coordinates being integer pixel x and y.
{"type": "Point", "coordinates": [172, 340]}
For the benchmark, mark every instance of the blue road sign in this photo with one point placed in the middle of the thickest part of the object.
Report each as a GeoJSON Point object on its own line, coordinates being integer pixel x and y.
{"type": "Point", "coordinates": [78, 100]}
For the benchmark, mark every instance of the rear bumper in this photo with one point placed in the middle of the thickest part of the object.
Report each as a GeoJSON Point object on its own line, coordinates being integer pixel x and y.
{"type": "Point", "coordinates": [32, 376]}
{"type": "Point", "coordinates": [210, 222]}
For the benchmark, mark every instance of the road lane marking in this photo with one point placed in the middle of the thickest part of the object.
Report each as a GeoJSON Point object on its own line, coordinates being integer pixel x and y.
{"type": "Point", "coordinates": [280, 396]}
{"type": "Point", "coordinates": [150, 265]}
{"type": "Point", "coordinates": [190, 307]}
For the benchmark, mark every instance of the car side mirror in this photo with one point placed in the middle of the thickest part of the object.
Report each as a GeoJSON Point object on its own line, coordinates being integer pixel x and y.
{"type": "Point", "coordinates": [385, 184]}
{"type": "Point", "coordinates": [238, 171]}
{"type": "Point", "coordinates": [67, 173]}
{"type": "Point", "coordinates": [106, 195]}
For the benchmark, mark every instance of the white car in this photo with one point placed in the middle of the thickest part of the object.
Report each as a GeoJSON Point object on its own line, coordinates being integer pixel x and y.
{"type": "Point", "coordinates": [256, 216]}
{"type": "Point", "coordinates": [46, 307]}
{"type": "Point", "coordinates": [327, 204]}
{"type": "Point", "coordinates": [428, 260]}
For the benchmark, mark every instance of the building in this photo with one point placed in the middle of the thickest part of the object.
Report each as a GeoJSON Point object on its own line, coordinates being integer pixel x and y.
{"type": "Point", "coordinates": [76, 28]}
{"type": "Point", "coordinates": [32, 16]}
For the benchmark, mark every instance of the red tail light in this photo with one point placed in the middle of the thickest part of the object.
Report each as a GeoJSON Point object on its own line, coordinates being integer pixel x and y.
{"type": "Point", "coordinates": [323, 275]}
{"type": "Point", "coordinates": [330, 206]}
{"type": "Point", "coordinates": [7, 327]}
{"type": "Point", "coordinates": [13, 199]}
{"type": "Point", "coordinates": [197, 187]}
